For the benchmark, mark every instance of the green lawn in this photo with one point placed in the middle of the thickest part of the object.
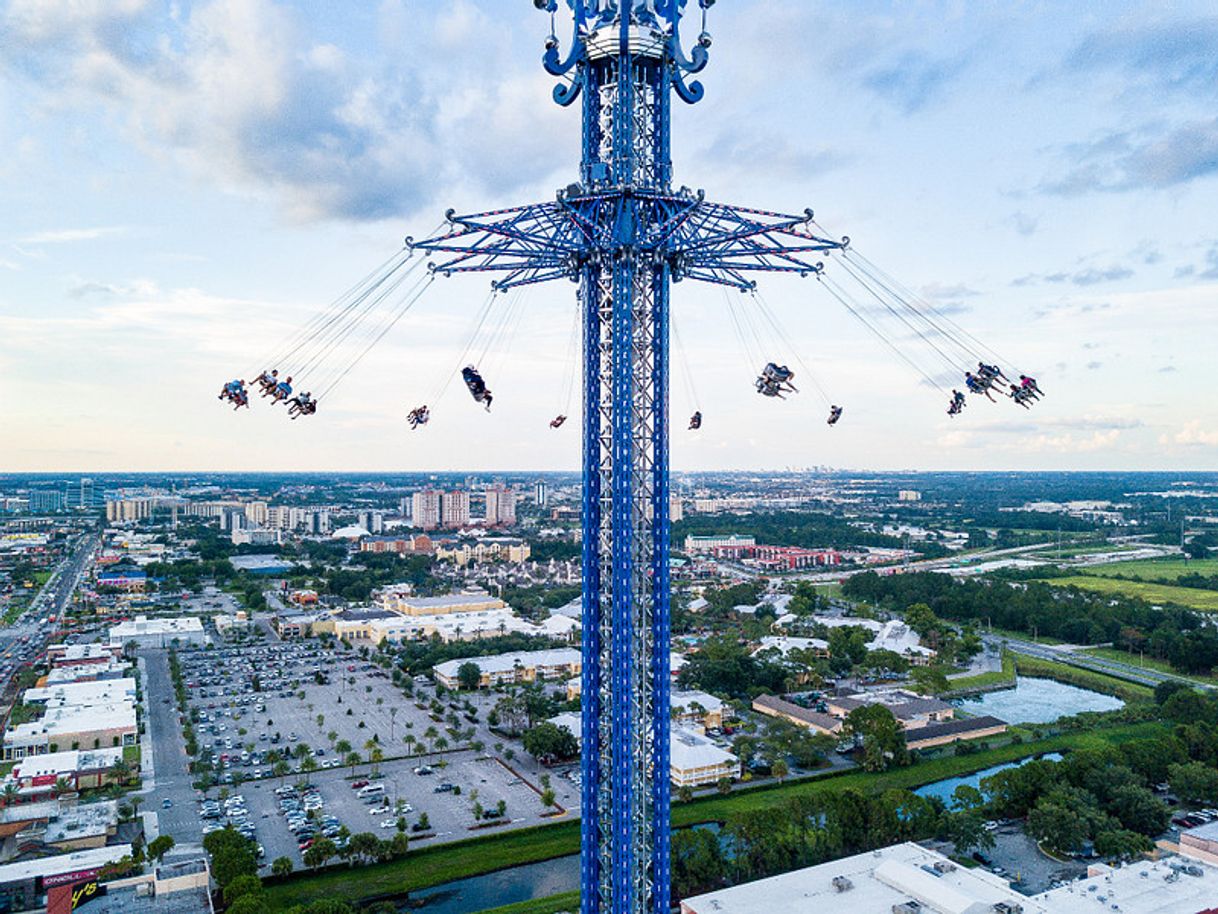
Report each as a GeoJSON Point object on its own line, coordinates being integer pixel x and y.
{"type": "Point", "coordinates": [986, 680]}
{"type": "Point", "coordinates": [1157, 569]}
{"type": "Point", "coordinates": [1205, 600]}
{"type": "Point", "coordinates": [1149, 663]}
{"type": "Point", "coordinates": [445, 862]}
{"type": "Point", "coordinates": [567, 901]}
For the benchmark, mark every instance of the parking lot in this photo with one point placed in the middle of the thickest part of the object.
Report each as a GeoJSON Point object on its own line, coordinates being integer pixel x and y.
{"type": "Point", "coordinates": [307, 702]}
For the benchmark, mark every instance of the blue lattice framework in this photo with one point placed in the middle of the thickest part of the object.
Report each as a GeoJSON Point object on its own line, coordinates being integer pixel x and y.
{"type": "Point", "coordinates": [624, 235]}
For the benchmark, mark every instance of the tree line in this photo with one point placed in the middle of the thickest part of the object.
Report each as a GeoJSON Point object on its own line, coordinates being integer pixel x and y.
{"type": "Point", "coordinates": [1172, 633]}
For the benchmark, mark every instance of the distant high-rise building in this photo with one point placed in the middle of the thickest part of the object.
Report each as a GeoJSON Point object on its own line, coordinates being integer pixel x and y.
{"type": "Point", "coordinates": [317, 522]}
{"type": "Point", "coordinates": [372, 521]}
{"type": "Point", "coordinates": [86, 492]}
{"type": "Point", "coordinates": [425, 509]}
{"type": "Point", "coordinates": [540, 494]}
{"type": "Point", "coordinates": [128, 509]}
{"type": "Point", "coordinates": [45, 500]}
{"type": "Point", "coordinates": [256, 513]}
{"type": "Point", "coordinates": [454, 509]}
{"type": "Point", "coordinates": [909, 495]}
{"type": "Point", "coordinates": [500, 505]}
{"type": "Point", "coordinates": [407, 507]}
{"type": "Point", "coordinates": [676, 511]}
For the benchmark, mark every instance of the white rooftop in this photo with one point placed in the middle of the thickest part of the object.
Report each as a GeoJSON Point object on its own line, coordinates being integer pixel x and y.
{"type": "Point", "coordinates": [142, 625]}
{"type": "Point", "coordinates": [784, 645]}
{"type": "Point", "coordinates": [502, 663]}
{"type": "Point", "coordinates": [59, 763]}
{"type": "Point", "coordinates": [876, 882]}
{"type": "Point", "coordinates": [119, 716]}
{"type": "Point", "coordinates": [904, 872]}
{"type": "Point", "coordinates": [82, 694]}
{"type": "Point", "coordinates": [63, 863]}
{"type": "Point", "coordinates": [685, 699]}
{"type": "Point", "coordinates": [688, 750]}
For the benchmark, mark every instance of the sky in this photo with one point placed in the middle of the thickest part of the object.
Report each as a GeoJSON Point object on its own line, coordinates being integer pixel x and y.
{"type": "Point", "coordinates": [185, 184]}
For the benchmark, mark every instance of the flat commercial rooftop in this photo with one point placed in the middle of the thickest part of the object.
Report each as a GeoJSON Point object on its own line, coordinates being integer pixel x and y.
{"type": "Point", "coordinates": [874, 883]}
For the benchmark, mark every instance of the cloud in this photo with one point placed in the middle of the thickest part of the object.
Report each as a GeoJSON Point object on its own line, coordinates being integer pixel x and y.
{"type": "Point", "coordinates": [85, 288]}
{"type": "Point", "coordinates": [1148, 158]}
{"type": "Point", "coordinates": [66, 236]}
{"type": "Point", "coordinates": [1074, 444]}
{"type": "Point", "coordinates": [1207, 270]}
{"type": "Point", "coordinates": [1088, 276]}
{"type": "Point", "coordinates": [912, 81]}
{"type": "Point", "coordinates": [1192, 435]}
{"type": "Point", "coordinates": [743, 150]}
{"type": "Point", "coordinates": [1023, 223]}
{"type": "Point", "coordinates": [1174, 55]}
{"type": "Point", "coordinates": [237, 90]}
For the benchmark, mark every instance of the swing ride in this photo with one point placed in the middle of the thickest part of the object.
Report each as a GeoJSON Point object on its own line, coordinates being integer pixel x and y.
{"type": "Point", "coordinates": [624, 234]}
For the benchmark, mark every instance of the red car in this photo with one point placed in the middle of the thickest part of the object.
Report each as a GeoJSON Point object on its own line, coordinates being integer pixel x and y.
{"type": "Point", "coordinates": [355, 785]}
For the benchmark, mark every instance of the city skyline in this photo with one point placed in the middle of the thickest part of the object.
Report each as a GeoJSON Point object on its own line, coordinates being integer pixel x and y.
{"type": "Point", "coordinates": [191, 184]}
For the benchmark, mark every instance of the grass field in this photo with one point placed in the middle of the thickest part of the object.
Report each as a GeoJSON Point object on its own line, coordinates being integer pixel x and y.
{"type": "Point", "coordinates": [986, 680]}
{"type": "Point", "coordinates": [445, 862]}
{"type": "Point", "coordinates": [567, 901]}
{"type": "Point", "coordinates": [1205, 600]}
{"type": "Point", "coordinates": [1149, 663]}
{"type": "Point", "coordinates": [1157, 569]}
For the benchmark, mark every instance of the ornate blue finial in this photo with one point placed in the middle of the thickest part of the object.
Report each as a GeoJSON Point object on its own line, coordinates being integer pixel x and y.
{"type": "Point", "coordinates": [657, 25]}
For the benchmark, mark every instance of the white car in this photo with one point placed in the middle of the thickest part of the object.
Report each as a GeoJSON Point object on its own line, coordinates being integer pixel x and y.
{"type": "Point", "coordinates": [389, 823]}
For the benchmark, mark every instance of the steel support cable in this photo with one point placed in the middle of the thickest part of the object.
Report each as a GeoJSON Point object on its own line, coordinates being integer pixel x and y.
{"type": "Point", "coordinates": [497, 351]}
{"type": "Point", "coordinates": [772, 318]}
{"type": "Point", "coordinates": [416, 295]}
{"type": "Point", "coordinates": [501, 328]}
{"type": "Point", "coordinates": [683, 366]}
{"type": "Point", "coordinates": [853, 267]}
{"type": "Point", "coordinates": [749, 359]}
{"type": "Point", "coordinates": [315, 351]}
{"type": "Point", "coordinates": [949, 360]}
{"type": "Point", "coordinates": [566, 386]}
{"type": "Point", "coordinates": [911, 296]}
{"type": "Point", "coordinates": [841, 296]}
{"type": "Point", "coordinates": [374, 297]}
{"type": "Point", "coordinates": [338, 317]}
{"type": "Point", "coordinates": [928, 306]}
{"type": "Point", "coordinates": [446, 379]}
{"type": "Point", "coordinates": [288, 346]}
{"type": "Point", "coordinates": [329, 368]}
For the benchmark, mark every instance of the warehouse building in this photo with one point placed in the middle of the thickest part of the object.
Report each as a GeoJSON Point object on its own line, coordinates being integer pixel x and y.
{"type": "Point", "coordinates": [153, 633]}
{"type": "Point", "coordinates": [910, 879]}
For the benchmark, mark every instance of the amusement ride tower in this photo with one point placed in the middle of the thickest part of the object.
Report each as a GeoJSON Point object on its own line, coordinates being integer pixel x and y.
{"type": "Point", "coordinates": [624, 234]}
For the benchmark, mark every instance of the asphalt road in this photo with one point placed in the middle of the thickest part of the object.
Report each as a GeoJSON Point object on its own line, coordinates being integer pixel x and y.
{"type": "Point", "coordinates": [168, 756]}
{"type": "Point", "coordinates": [1074, 657]}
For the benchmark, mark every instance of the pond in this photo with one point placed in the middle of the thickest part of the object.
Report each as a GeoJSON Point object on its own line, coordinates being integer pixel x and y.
{"type": "Point", "coordinates": [478, 893]}
{"type": "Point", "coordinates": [1038, 701]}
{"type": "Point", "coordinates": [945, 788]}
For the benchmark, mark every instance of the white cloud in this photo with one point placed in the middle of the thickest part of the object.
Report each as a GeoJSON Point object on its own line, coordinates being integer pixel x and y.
{"type": "Point", "coordinates": [1192, 435]}
{"type": "Point", "coordinates": [67, 236]}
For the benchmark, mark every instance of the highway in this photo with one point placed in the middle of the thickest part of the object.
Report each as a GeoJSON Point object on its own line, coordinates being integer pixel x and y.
{"type": "Point", "coordinates": [52, 600]}
{"type": "Point", "coordinates": [1075, 656]}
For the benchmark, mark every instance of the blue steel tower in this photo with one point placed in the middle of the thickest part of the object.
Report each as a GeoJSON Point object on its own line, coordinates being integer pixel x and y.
{"type": "Point", "coordinates": [624, 234]}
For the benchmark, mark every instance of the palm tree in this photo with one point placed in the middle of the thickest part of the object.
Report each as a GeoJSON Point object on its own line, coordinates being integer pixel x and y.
{"type": "Point", "coordinates": [281, 770]}
{"type": "Point", "coordinates": [430, 735]}
{"type": "Point", "coordinates": [376, 756]}
{"type": "Point", "coordinates": [120, 771]}
{"type": "Point", "coordinates": [342, 747]}
{"type": "Point", "coordinates": [62, 786]}
{"type": "Point", "coordinates": [410, 741]}
{"type": "Point", "coordinates": [8, 795]}
{"type": "Point", "coordinates": [308, 766]}
{"type": "Point", "coordinates": [393, 713]}
{"type": "Point", "coordinates": [353, 760]}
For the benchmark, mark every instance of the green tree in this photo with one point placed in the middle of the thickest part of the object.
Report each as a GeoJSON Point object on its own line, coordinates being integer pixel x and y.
{"type": "Point", "coordinates": [1138, 810]}
{"type": "Point", "coordinates": [241, 886]}
{"type": "Point", "coordinates": [698, 863]}
{"type": "Point", "coordinates": [159, 846]}
{"type": "Point", "coordinates": [881, 734]}
{"type": "Point", "coordinates": [1122, 845]}
{"type": "Point", "coordinates": [1194, 783]}
{"type": "Point", "coordinates": [469, 675]}
{"type": "Point", "coordinates": [548, 741]}
{"type": "Point", "coordinates": [282, 866]}
{"type": "Point", "coordinates": [1058, 826]}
